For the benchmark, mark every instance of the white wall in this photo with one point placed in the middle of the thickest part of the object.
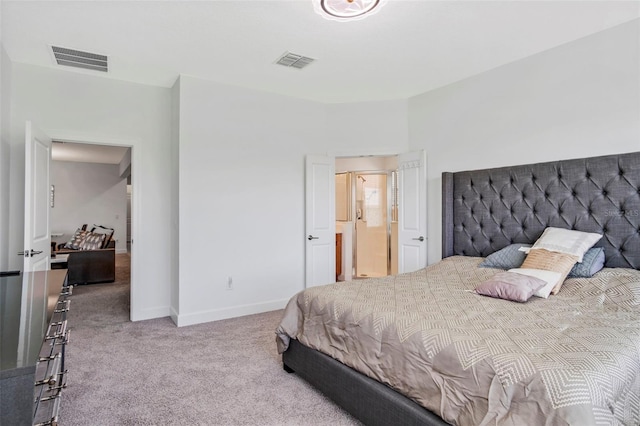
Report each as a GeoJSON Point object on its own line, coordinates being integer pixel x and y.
{"type": "Point", "coordinates": [242, 193]}
{"type": "Point", "coordinates": [578, 100]}
{"type": "Point", "coordinates": [381, 127]}
{"type": "Point", "coordinates": [84, 108]}
{"type": "Point", "coordinates": [89, 193]}
{"type": "Point", "coordinates": [175, 200]}
{"type": "Point", "coordinates": [5, 154]}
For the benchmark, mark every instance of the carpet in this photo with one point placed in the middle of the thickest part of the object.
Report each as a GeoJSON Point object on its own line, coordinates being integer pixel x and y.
{"type": "Point", "coordinates": [154, 373]}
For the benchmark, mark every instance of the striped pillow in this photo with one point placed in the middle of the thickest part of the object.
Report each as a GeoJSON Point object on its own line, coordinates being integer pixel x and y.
{"type": "Point", "coordinates": [551, 261]}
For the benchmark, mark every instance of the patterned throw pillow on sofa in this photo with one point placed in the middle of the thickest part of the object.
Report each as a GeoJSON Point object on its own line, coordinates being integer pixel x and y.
{"type": "Point", "coordinates": [92, 241]}
{"type": "Point", "coordinates": [76, 241]}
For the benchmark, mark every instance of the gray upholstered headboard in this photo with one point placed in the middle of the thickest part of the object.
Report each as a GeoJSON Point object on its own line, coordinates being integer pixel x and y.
{"type": "Point", "coordinates": [486, 210]}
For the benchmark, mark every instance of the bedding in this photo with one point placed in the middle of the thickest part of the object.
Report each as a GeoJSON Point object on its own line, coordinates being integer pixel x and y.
{"type": "Point", "coordinates": [550, 261]}
{"type": "Point", "coordinates": [592, 262]}
{"type": "Point", "coordinates": [473, 360]}
{"type": "Point", "coordinates": [513, 256]}
{"type": "Point", "coordinates": [510, 286]}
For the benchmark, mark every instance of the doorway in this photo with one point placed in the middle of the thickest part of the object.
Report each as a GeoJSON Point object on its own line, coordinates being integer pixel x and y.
{"type": "Point", "coordinates": [326, 236]}
{"type": "Point", "coordinates": [92, 187]}
{"type": "Point", "coordinates": [366, 217]}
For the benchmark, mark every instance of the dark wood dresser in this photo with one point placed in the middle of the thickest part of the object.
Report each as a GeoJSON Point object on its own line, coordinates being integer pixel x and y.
{"type": "Point", "coordinates": [33, 336]}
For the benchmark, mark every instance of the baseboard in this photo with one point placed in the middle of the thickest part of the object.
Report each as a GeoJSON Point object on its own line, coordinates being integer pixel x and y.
{"type": "Point", "coordinates": [225, 313]}
{"type": "Point", "coordinates": [174, 316]}
{"type": "Point", "coordinates": [151, 313]}
{"type": "Point", "coordinates": [121, 251]}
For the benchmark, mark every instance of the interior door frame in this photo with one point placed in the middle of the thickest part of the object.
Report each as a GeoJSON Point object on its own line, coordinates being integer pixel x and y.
{"type": "Point", "coordinates": [136, 168]}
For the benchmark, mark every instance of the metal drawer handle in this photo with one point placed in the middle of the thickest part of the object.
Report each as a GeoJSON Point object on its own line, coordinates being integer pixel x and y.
{"type": "Point", "coordinates": [53, 372]}
{"type": "Point", "coordinates": [65, 307]}
{"type": "Point", "coordinates": [60, 331]}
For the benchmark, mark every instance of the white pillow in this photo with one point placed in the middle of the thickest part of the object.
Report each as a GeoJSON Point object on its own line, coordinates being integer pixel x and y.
{"type": "Point", "coordinates": [566, 241]}
{"type": "Point", "coordinates": [551, 278]}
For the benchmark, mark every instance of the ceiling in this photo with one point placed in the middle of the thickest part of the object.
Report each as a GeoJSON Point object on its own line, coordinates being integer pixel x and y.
{"type": "Point", "coordinates": [87, 153]}
{"type": "Point", "coordinates": [409, 47]}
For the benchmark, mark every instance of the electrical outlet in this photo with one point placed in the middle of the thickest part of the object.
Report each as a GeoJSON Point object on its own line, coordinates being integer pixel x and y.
{"type": "Point", "coordinates": [230, 283]}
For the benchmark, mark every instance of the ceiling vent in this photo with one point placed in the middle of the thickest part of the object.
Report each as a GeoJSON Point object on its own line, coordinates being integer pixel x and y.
{"type": "Point", "coordinates": [294, 61]}
{"type": "Point", "coordinates": [80, 59]}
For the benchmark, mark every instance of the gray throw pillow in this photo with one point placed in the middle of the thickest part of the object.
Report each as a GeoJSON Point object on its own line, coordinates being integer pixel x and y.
{"type": "Point", "coordinates": [592, 262]}
{"type": "Point", "coordinates": [507, 258]}
{"type": "Point", "coordinates": [510, 286]}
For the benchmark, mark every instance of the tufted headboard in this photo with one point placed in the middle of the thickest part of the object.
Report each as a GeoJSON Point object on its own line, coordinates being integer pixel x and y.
{"type": "Point", "coordinates": [486, 210]}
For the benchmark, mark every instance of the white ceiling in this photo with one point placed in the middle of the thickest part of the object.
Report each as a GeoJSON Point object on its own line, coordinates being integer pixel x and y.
{"type": "Point", "coordinates": [87, 153]}
{"type": "Point", "coordinates": [406, 49]}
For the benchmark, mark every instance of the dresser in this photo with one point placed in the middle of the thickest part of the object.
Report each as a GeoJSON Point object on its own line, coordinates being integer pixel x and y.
{"type": "Point", "coordinates": [33, 337]}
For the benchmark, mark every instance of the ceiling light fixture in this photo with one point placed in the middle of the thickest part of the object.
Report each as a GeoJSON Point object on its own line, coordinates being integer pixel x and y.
{"type": "Point", "coordinates": [347, 10]}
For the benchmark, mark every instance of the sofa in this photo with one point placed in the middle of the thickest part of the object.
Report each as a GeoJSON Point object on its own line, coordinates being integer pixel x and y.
{"type": "Point", "coordinates": [91, 263]}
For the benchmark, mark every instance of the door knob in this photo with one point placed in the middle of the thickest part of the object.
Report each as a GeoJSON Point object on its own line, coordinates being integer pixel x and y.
{"type": "Point", "coordinates": [28, 253]}
{"type": "Point", "coordinates": [311, 237]}
{"type": "Point", "coordinates": [420, 238]}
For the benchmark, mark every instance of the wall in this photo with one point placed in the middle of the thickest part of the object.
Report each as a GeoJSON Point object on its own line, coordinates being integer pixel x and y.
{"type": "Point", "coordinates": [175, 199]}
{"type": "Point", "coordinates": [85, 108]}
{"type": "Point", "coordinates": [89, 193]}
{"type": "Point", "coordinates": [241, 190]}
{"type": "Point", "coordinates": [382, 127]}
{"type": "Point", "coordinates": [5, 118]}
{"type": "Point", "coordinates": [577, 100]}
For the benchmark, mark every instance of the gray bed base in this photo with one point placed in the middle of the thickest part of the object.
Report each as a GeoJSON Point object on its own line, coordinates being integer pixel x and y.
{"type": "Point", "coordinates": [482, 212]}
{"type": "Point", "coordinates": [369, 401]}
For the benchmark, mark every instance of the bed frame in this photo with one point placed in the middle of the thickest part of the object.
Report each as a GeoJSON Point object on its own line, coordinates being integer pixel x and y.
{"type": "Point", "coordinates": [482, 212]}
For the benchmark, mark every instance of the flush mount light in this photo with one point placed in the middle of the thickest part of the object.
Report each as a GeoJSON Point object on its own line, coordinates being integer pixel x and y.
{"type": "Point", "coordinates": [347, 10]}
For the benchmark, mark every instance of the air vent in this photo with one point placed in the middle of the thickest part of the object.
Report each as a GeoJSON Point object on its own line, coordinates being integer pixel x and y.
{"type": "Point", "coordinates": [80, 59]}
{"type": "Point", "coordinates": [294, 61]}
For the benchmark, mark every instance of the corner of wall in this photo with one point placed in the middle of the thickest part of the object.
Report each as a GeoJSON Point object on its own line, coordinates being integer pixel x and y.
{"type": "Point", "coordinates": [175, 199]}
{"type": "Point", "coordinates": [5, 136]}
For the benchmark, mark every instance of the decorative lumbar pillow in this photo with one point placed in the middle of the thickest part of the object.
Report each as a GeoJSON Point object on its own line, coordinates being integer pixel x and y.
{"type": "Point", "coordinates": [592, 262]}
{"type": "Point", "coordinates": [507, 258]}
{"type": "Point", "coordinates": [566, 241]}
{"type": "Point", "coordinates": [511, 286]}
{"type": "Point", "coordinates": [551, 261]}
{"type": "Point", "coordinates": [549, 277]}
{"type": "Point", "coordinates": [92, 241]}
{"type": "Point", "coordinates": [76, 240]}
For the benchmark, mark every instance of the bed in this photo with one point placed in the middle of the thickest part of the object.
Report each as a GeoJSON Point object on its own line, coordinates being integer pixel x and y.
{"type": "Point", "coordinates": [423, 348]}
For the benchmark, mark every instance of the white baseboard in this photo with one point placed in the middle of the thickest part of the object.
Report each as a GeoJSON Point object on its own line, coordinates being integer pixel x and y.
{"type": "Point", "coordinates": [121, 251]}
{"type": "Point", "coordinates": [151, 313]}
{"type": "Point", "coordinates": [174, 316]}
{"type": "Point", "coordinates": [225, 313]}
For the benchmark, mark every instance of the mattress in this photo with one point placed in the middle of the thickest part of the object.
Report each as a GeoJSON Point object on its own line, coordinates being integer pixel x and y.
{"type": "Point", "coordinates": [571, 359]}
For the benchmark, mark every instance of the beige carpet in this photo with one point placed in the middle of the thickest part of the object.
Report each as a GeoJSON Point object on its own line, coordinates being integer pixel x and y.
{"type": "Point", "coordinates": [153, 373]}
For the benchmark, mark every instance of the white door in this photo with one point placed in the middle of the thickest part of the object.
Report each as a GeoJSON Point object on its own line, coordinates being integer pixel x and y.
{"type": "Point", "coordinates": [37, 235]}
{"type": "Point", "coordinates": [320, 235]}
{"type": "Point", "coordinates": [412, 211]}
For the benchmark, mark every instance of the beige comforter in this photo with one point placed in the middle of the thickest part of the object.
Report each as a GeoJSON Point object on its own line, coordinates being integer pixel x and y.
{"type": "Point", "coordinates": [571, 359]}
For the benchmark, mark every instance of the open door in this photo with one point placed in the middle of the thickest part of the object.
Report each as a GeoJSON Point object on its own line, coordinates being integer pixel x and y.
{"type": "Point", "coordinates": [412, 211]}
{"type": "Point", "coordinates": [37, 235]}
{"type": "Point", "coordinates": [320, 225]}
